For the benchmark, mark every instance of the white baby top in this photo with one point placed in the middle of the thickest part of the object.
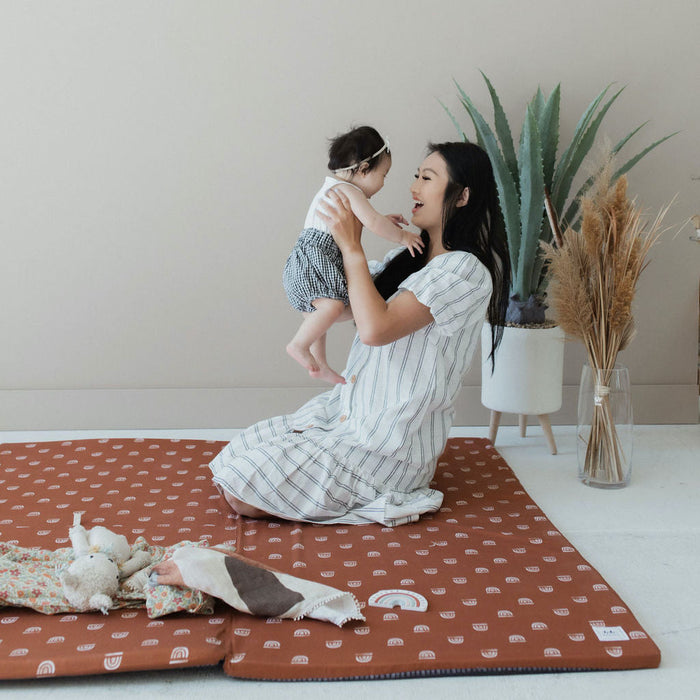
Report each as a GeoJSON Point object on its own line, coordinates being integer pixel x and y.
{"type": "Point", "coordinates": [313, 220]}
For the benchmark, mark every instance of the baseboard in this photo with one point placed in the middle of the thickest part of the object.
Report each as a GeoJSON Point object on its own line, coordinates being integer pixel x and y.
{"type": "Point", "coordinates": [652, 404]}
{"type": "Point", "coordinates": [138, 409]}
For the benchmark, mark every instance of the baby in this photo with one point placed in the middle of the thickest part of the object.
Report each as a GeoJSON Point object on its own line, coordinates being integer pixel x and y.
{"type": "Point", "coordinates": [314, 278]}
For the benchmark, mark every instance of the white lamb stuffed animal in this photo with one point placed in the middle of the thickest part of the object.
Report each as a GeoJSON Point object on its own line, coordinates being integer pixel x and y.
{"type": "Point", "coordinates": [102, 559]}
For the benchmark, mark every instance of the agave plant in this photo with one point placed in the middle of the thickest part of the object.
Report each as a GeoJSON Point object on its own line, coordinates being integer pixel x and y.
{"type": "Point", "coordinates": [533, 183]}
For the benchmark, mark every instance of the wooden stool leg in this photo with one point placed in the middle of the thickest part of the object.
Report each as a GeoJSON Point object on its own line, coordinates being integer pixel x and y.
{"type": "Point", "coordinates": [493, 425]}
{"type": "Point", "coordinates": [522, 422]}
{"type": "Point", "coordinates": [547, 430]}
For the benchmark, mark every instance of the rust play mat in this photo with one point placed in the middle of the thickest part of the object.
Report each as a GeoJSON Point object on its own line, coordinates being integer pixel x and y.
{"type": "Point", "coordinates": [505, 591]}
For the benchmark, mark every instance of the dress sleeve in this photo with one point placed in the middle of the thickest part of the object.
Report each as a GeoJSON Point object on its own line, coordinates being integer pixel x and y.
{"type": "Point", "coordinates": [376, 266]}
{"type": "Point", "coordinates": [456, 287]}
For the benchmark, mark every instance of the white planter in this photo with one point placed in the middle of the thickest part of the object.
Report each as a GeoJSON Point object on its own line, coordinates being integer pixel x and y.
{"type": "Point", "coordinates": [529, 371]}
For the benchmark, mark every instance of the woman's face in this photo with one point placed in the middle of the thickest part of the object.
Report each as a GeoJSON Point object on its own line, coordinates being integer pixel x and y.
{"type": "Point", "coordinates": [428, 193]}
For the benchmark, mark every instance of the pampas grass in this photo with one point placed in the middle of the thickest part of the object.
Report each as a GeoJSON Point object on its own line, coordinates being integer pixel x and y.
{"type": "Point", "coordinates": [593, 276]}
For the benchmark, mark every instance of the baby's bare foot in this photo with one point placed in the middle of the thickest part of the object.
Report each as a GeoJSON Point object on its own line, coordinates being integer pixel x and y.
{"type": "Point", "coordinates": [326, 374]}
{"type": "Point", "coordinates": [303, 356]}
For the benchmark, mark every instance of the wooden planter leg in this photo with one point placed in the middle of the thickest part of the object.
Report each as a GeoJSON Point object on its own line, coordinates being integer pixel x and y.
{"type": "Point", "coordinates": [547, 430]}
{"type": "Point", "coordinates": [493, 426]}
{"type": "Point", "coordinates": [522, 422]}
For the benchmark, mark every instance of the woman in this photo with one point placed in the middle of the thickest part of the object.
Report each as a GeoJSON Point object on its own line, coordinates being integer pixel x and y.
{"type": "Point", "coordinates": [366, 451]}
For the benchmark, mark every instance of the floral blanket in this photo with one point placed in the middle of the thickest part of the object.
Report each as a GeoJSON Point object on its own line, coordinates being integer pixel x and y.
{"type": "Point", "coordinates": [29, 579]}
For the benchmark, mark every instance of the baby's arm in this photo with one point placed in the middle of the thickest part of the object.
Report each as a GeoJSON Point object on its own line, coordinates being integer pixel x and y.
{"type": "Point", "coordinates": [379, 224]}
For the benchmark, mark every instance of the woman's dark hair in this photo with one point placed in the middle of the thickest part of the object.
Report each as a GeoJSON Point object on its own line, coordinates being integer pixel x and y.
{"type": "Point", "coordinates": [349, 151]}
{"type": "Point", "coordinates": [476, 228]}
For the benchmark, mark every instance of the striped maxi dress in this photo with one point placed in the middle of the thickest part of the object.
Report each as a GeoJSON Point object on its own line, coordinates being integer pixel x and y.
{"type": "Point", "coordinates": [366, 451]}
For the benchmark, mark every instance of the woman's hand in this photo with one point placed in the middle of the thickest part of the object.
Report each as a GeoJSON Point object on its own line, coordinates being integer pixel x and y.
{"type": "Point", "coordinates": [345, 227]}
{"type": "Point", "coordinates": [378, 322]}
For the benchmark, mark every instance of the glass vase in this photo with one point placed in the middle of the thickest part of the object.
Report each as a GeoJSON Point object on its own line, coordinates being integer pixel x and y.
{"type": "Point", "coordinates": [605, 427]}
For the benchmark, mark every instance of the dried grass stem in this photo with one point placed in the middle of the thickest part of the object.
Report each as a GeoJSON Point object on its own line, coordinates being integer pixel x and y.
{"type": "Point", "coordinates": [593, 276]}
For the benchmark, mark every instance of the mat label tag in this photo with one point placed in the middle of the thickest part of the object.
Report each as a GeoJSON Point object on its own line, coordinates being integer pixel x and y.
{"type": "Point", "coordinates": [610, 634]}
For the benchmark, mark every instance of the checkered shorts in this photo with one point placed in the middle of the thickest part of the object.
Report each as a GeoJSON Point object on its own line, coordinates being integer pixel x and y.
{"type": "Point", "coordinates": [314, 270]}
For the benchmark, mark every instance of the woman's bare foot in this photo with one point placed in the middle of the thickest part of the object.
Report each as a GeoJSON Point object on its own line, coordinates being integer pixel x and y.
{"type": "Point", "coordinates": [243, 508]}
{"type": "Point", "coordinates": [168, 573]}
{"type": "Point", "coordinates": [303, 356]}
{"type": "Point", "coordinates": [328, 375]}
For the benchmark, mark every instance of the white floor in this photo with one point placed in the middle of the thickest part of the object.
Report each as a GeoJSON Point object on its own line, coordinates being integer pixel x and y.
{"type": "Point", "coordinates": [644, 540]}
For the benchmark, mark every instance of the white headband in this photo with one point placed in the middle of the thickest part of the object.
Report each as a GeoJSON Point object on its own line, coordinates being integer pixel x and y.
{"type": "Point", "coordinates": [385, 147]}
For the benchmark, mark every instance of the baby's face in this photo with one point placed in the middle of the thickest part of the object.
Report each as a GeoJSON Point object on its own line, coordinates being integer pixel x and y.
{"type": "Point", "coordinates": [370, 183]}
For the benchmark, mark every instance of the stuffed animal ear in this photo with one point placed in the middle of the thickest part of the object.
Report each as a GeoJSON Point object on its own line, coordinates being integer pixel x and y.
{"type": "Point", "coordinates": [79, 539]}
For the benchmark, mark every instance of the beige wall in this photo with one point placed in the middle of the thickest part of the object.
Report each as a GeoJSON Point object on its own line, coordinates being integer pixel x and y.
{"type": "Point", "coordinates": [158, 159]}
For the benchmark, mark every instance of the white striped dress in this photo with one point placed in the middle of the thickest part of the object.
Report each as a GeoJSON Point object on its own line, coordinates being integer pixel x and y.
{"type": "Point", "coordinates": [366, 451]}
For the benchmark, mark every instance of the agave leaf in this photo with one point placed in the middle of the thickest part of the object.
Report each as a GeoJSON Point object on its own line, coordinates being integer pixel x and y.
{"type": "Point", "coordinates": [618, 146]}
{"type": "Point", "coordinates": [537, 103]}
{"type": "Point", "coordinates": [454, 121]}
{"type": "Point", "coordinates": [540, 272]}
{"type": "Point", "coordinates": [503, 130]}
{"type": "Point", "coordinates": [633, 161]}
{"type": "Point", "coordinates": [583, 124]}
{"type": "Point", "coordinates": [539, 280]}
{"type": "Point", "coordinates": [521, 195]}
{"type": "Point", "coordinates": [571, 216]}
{"type": "Point", "coordinates": [539, 275]}
{"type": "Point", "coordinates": [580, 151]}
{"type": "Point", "coordinates": [507, 191]}
{"type": "Point", "coordinates": [548, 126]}
{"type": "Point", "coordinates": [464, 98]}
{"type": "Point", "coordinates": [572, 211]}
{"type": "Point", "coordinates": [479, 138]}
{"type": "Point", "coordinates": [531, 203]}
{"type": "Point", "coordinates": [581, 127]}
